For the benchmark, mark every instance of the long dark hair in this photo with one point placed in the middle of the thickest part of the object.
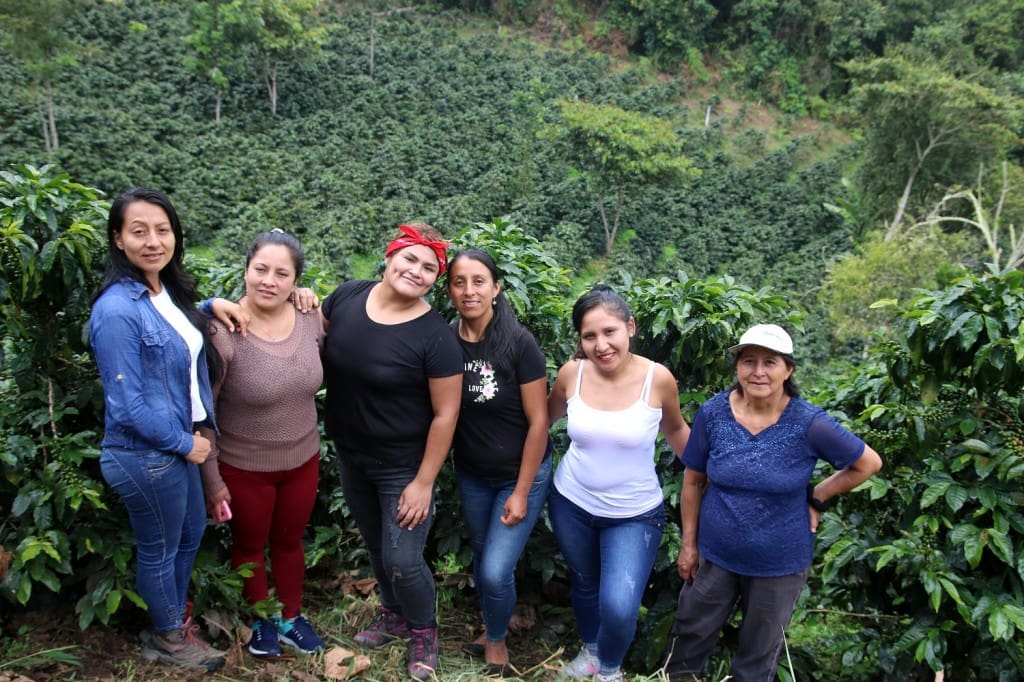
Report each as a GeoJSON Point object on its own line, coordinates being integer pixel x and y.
{"type": "Point", "coordinates": [179, 284]}
{"type": "Point", "coordinates": [501, 337]}
{"type": "Point", "coordinates": [603, 295]}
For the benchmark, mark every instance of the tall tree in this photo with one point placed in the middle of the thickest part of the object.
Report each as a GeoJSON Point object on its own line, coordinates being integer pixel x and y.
{"type": "Point", "coordinates": [214, 55]}
{"type": "Point", "coordinates": [921, 120]}
{"type": "Point", "coordinates": [35, 36]}
{"type": "Point", "coordinates": [277, 31]}
{"type": "Point", "coordinates": [1004, 241]}
{"type": "Point", "coordinates": [617, 151]}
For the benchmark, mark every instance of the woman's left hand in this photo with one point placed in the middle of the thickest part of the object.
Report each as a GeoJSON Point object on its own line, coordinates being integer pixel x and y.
{"type": "Point", "coordinates": [515, 509]}
{"type": "Point", "coordinates": [304, 299]}
{"type": "Point", "coordinates": [234, 316]}
{"type": "Point", "coordinates": [414, 505]}
{"type": "Point", "coordinates": [815, 518]}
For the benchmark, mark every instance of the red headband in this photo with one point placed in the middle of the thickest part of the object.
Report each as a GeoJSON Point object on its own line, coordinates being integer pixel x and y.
{"type": "Point", "coordinates": [412, 238]}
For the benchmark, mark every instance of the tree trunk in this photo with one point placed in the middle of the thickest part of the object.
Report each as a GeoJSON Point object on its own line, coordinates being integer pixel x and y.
{"type": "Point", "coordinates": [50, 115]}
{"type": "Point", "coordinates": [216, 108]}
{"type": "Point", "coordinates": [611, 230]}
{"type": "Point", "coordinates": [609, 236]}
{"type": "Point", "coordinates": [935, 139]}
{"type": "Point", "coordinates": [372, 29]}
{"type": "Point", "coordinates": [272, 88]}
{"type": "Point", "coordinates": [901, 207]}
{"type": "Point", "coordinates": [42, 124]}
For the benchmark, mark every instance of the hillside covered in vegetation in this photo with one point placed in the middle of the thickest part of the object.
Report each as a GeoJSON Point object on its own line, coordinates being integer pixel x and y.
{"type": "Point", "coordinates": [854, 170]}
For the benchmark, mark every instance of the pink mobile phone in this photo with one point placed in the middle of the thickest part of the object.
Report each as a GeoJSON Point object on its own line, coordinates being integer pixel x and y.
{"type": "Point", "coordinates": [222, 512]}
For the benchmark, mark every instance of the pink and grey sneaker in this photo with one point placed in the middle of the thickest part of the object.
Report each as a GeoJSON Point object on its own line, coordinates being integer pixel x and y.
{"type": "Point", "coordinates": [387, 627]}
{"type": "Point", "coordinates": [422, 653]}
{"type": "Point", "coordinates": [584, 666]}
{"type": "Point", "coordinates": [181, 647]}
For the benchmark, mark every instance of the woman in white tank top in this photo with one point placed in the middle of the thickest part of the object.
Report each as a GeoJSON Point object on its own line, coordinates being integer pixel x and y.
{"type": "Point", "coordinates": [606, 507]}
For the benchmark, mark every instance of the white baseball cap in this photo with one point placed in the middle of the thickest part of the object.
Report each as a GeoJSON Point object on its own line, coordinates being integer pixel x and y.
{"type": "Point", "coordinates": [770, 336]}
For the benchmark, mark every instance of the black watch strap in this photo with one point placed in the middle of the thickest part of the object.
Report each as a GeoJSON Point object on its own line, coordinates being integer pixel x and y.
{"type": "Point", "coordinates": [815, 502]}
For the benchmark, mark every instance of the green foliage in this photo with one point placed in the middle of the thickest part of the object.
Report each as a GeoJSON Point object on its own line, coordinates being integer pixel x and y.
{"type": "Point", "coordinates": [934, 543]}
{"type": "Point", "coordinates": [36, 34]}
{"type": "Point", "coordinates": [276, 32]}
{"type": "Point", "coordinates": [672, 31]}
{"type": "Point", "coordinates": [877, 270]}
{"type": "Point", "coordinates": [215, 56]}
{"type": "Point", "coordinates": [688, 323]}
{"type": "Point", "coordinates": [617, 150]}
{"type": "Point", "coordinates": [447, 130]}
{"type": "Point", "coordinates": [991, 32]}
{"type": "Point", "coordinates": [536, 286]}
{"type": "Point", "coordinates": [927, 126]}
{"type": "Point", "coordinates": [17, 658]}
{"type": "Point", "coordinates": [49, 261]}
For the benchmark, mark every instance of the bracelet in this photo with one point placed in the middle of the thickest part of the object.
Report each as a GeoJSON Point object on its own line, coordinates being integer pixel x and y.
{"type": "Point", "coordinates": [814, 502]}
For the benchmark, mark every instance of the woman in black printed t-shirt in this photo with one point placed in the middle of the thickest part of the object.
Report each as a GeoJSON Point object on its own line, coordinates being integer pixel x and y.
{"type": "Point", "coordinates": [502, 451]}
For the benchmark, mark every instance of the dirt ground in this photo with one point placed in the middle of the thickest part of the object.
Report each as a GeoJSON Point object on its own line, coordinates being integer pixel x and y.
{"type": "Point", "coordinates": [46, 644]}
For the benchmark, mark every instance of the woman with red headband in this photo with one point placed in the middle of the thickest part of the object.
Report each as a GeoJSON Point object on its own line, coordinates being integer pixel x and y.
{"type": "Point", "coordinates": [393, 370]}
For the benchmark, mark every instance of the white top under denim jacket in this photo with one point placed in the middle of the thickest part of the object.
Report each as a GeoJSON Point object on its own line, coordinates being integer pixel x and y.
{"type": "Point", "coordinates": [145, 367]}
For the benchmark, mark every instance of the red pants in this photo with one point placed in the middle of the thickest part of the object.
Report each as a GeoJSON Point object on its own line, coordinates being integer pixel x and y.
{"type": "Point", "coordinates": [274, 507]}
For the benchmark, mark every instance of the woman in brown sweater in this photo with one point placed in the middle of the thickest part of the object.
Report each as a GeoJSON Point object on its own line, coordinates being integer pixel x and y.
{"type": "Point", "coordinates": [265, 462]}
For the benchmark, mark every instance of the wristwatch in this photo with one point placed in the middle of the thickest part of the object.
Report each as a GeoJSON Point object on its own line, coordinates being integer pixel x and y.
{"type": "Point", "coordinates": [815, 502]}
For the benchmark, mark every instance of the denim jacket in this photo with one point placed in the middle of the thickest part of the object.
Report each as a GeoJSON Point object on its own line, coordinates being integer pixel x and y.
{"type": "Point", "coordinates": [144, 366]}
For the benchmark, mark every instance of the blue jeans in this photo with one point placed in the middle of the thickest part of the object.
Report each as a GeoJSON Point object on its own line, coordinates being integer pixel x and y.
{"type": "Point", "coordinates": [610, 561]}
{"type": "Point", "coordinates": [167, 510]}
{"type": "Point", "coordinates": [396, 554]}
{"type": "Point", "coordinates": [497, 547]}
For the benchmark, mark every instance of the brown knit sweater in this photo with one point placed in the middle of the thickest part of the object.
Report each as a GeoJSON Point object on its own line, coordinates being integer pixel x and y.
{"type": "Point", "coordinates": [265, 404]}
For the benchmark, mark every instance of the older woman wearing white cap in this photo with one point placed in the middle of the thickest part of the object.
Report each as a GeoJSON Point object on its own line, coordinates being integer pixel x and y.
{"type": "Point", "coordinates": [749, 508]}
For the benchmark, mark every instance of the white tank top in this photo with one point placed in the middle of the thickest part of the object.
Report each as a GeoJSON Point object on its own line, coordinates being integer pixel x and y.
{"type": "Point", "coordinates": [608, 469]}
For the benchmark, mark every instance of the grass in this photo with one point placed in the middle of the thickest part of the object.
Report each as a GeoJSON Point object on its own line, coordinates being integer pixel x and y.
{"type": "Point", "coordinates": [49, 644]}
{"type": "Point", "coordinates": [537, 654]}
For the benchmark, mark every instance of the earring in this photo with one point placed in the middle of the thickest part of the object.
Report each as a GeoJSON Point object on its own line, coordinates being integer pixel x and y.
{"type": "Point", "coordinates": [494, 302]}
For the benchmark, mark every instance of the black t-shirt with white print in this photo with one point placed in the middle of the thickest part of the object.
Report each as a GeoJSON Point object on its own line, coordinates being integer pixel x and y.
{"type": "Point", "coordinates": [492, 426]}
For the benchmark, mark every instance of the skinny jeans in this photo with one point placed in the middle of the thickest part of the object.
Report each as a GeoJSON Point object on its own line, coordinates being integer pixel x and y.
{"type": "Point", "coordinates": [396, 554]}
{"type": "Point", "coordinates": [166, 507]}
{"type": "Point", "coordinates": [610, 562]}
{"type": "Point", "coordinates": [497, 547]}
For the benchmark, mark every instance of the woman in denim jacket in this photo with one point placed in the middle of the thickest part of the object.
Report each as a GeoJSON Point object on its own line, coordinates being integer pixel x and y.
{"type": "Point", "coordinates": [152, 350]}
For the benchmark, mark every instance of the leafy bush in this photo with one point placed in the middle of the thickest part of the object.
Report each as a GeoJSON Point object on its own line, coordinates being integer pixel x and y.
{"type": "Point", "coordinates": [931, 555]}
{"type": "Point", "coordinates": [49, 261]}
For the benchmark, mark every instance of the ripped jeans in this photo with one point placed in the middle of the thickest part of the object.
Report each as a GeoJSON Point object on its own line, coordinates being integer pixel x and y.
{"type": "Point", "coordinates": [396, 554]}
{"type": "Point", "coordinates": [610, 562]}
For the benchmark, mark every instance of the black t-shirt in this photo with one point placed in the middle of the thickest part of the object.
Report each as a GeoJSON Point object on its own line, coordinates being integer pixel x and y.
{"type": "Point", "coordinates": [492, 426]}
{"type": "Point", "coordinates": [378, 408]}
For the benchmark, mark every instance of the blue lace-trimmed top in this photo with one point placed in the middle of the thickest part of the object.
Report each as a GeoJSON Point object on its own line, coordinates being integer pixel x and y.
{"type": "Point", "coordinates": [754, 518]}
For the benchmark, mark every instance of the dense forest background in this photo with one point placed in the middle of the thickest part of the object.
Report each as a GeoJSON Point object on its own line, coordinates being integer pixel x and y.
{"type": "Point", "coordinates": [854, 170]}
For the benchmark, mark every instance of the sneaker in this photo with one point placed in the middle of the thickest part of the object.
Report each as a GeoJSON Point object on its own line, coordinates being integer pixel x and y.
{"type": "Point", "coordinates": [263, 643]}
{"type": "Point", "coordinates": [585, 665]}
{"type": "Point", "coordinates": [422, 653]}
{"type": "Point", "coordinates": [298, 634]}
{"type": "Point", "coordinates": [386, 627]}
{"type": "Point", "coordinates": [610, 677]}
{"type": "Point", "coordinates": [181, 647]}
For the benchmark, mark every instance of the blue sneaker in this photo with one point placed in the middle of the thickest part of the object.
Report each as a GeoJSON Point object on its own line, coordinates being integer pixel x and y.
{"type": "Point", "coordinates": [264, 640]}
{"type": "Point", "coordinates": [298, 634]}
